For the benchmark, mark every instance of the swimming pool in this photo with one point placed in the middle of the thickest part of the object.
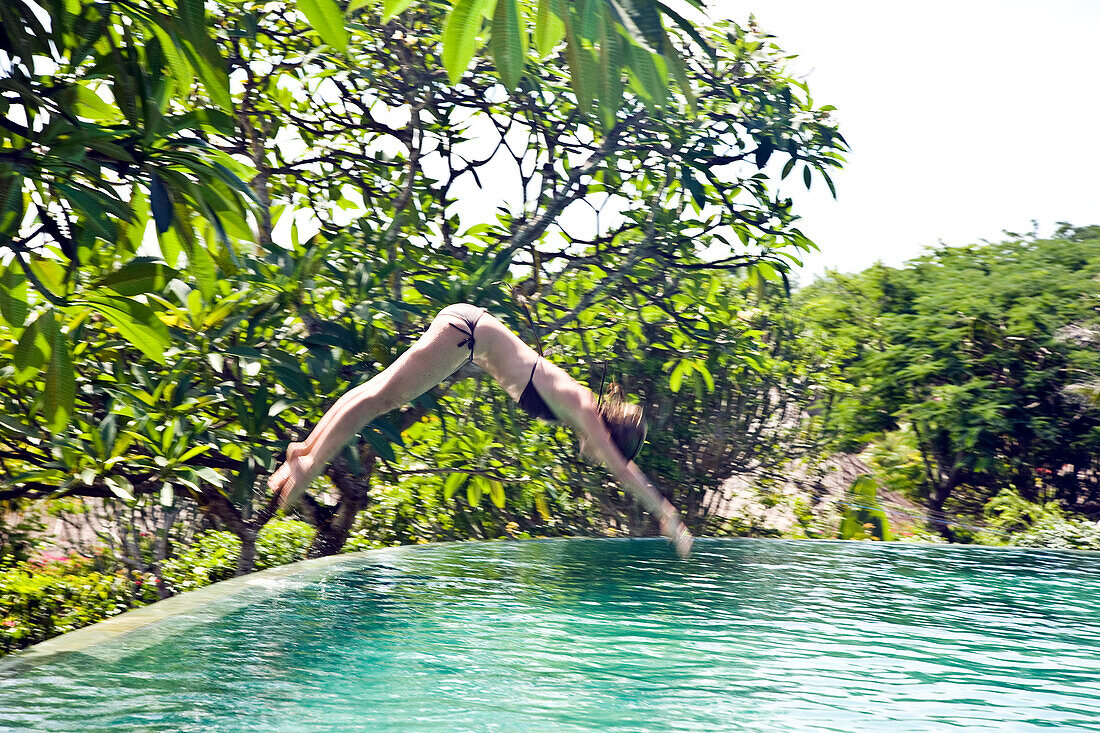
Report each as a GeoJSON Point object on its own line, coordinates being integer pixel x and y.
{"type": "Point", "coordinates": [602, 635]}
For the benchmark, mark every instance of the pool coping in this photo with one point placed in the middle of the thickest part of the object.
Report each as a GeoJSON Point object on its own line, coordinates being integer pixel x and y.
{"type": "Point", "coordinates": [191, 602]}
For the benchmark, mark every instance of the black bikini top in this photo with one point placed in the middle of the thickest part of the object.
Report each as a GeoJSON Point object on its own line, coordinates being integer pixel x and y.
{"type": "Point", "coordinates": [531, 401]}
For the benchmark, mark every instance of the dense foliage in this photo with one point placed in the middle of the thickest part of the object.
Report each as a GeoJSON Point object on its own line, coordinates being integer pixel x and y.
{"type": "Point", "coordinates": [972, 357]}
{"type": "Point", "coordinates": [216, 226]}
{"type": "Point", "coordinates": [44, 597]}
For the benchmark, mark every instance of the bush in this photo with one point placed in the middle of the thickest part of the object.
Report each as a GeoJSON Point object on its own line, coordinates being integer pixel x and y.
{"type": "Point", "coordinates": [40, 599]}
{"type": "Point", "coordinates": [213, 556]}
{"type": "Point", "coordinates": [1020, 523]}
{"type": "Point", "coordinates": [1060, 533]}
{"type": "Point", "coordinates": [43, 598]}
{"type": "Point", "coordinates": [283, 541]}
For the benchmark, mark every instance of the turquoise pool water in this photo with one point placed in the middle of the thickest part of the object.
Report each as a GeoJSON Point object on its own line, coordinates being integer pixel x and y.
{"type": "Point", "coordinates": [608, 635]}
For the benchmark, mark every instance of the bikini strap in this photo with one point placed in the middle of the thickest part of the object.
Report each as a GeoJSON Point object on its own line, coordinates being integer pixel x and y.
{"type": "Point", "coordinates": [469, 340]}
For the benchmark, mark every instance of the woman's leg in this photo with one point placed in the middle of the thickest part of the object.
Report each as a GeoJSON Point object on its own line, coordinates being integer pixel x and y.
{"type": "Point", "coordinates": [429, 361]}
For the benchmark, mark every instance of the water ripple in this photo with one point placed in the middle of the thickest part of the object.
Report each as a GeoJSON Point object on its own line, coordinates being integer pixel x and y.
{"type": "Point", "coordinates": [614, 636]}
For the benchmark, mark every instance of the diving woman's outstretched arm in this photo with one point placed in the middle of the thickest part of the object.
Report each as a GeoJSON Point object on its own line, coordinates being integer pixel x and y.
{"type": "Point", "coordinates": [575, 405]}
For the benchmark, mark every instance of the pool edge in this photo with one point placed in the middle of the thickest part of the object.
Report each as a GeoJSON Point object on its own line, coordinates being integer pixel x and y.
{"type": "Point", "coordinates": [138, 618]}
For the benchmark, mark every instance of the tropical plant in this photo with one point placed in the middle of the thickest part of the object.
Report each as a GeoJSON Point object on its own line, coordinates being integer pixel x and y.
{"type": "Point", "coordinates": [185, 325]}
{"type": "Point", "coordinates": [863, 518]}
{"type": "Point", "coordinates": [961, 347]}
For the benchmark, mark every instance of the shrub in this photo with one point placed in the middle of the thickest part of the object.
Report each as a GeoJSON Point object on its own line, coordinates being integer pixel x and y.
{"type": "Point", "coordinates": [43, 598]}
{"type": "Point", "coordinates": [283, 541]}
{"type": "Point", "coordinates": [1060, 533]}
{"type": "Point", "coordinates": [213, 556]}
{"type": "Point", "coordinates": [1020, 523]}
{"type": "Point", "coordinates": [40, 599]}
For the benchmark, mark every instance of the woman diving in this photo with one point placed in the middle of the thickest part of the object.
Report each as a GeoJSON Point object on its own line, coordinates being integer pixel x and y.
{"type": "Point", "coordinates": [611, 432]}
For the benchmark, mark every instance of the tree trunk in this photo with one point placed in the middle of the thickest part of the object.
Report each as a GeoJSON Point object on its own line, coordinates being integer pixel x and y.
{"type": "Point", "coordinates": [334, 524]}
{"type": "Point", "coordinates": [246, 563]}
{"type": "Point", "coordinates": [940, 493]}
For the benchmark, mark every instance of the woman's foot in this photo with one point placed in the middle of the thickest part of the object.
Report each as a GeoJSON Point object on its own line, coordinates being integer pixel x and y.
{"type": "Point", "coordinates": [290, 479]}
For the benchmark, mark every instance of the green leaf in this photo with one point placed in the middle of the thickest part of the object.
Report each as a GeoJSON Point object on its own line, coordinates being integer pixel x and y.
{"type": "Point", "coordinates": [51, 273]}
{"type": "Point", "coordinates": [210, 475]}
{"type": "Point", "coordinates": [200, 264]}
{"type": "Point", "coordinates": [588, 16]}
{"type": "Point", "coordinates": [687, 27]}
{"type": "Point", "coordinates": [460, 36]}
{"type": "Point", "coordinates": [475, 489]}
{"type": "Point", "coordinates": [828, 181]}
{"type": "Point", "coordinates": [181, 70]}
{"type": "Point", "coordinates": [60, 392]}
{"type": "Point", "coordinates": [391, 8]}
{"type": "Point", "coordinates": [13, 295]}
{"type": "Point", "coordinates": [582, 67]}
{"type": "Point", "coordinates": [31, 352]}
{"type": "Point", "coordinates": [192, 16]}
{"type": "Point", "coordinates": [136, 322]}
{"type": "Point", "coordinates": [509, 43]}
{"type": "Point", "coordinates": [203, 54]}
{"type": "Point", "coordinates": [688, 180]}
{"type": "Point", "coordinates": [806, 176]}
{"type": "Point", "coordinates": [120, 487]}
{"type": "Point", "coordinates": [94, 107]}
{"type": "Point", "coordinates": [642, 21]}
{"type": "Point", "coordinates": [293, 380]}
{"type": "Point", "coordinates": [701, 369]}
{"type": "Point", "coordinates": [768, 272]}
{"type": "Point", "coordinates": [677, 377]}
{"type": "Point", "coordinates": [680, 73]}
{"type": "Point", "coordinates": [95, 203]}
{"type": "Point", "coordinates": [549, 27]}
{"type": "Point", "coordinates": [764, 152]}
{"type": "Point", "coordinates": [496, 493]}
{"type": "Point", "coordinates": [645, 78]}
{"type": "Point", "coordinates": [160, 201]}
{"type": "Point", "coordinates": [18, 426]}
{"type": "Point", "coordinates": [327, 19]}
{"type": "Point", "coordinates": [139, 276]}
{"type": "Point", "coordinates": [453, 483]}
{"type": "Point", "coordinates": [379, 443]}
{"type": "Point", "coordinates": [192, 452]}
{"type": "Point", "coordinates": [167, 494]}
{"type": "Point", "coordinates": [610, 72]}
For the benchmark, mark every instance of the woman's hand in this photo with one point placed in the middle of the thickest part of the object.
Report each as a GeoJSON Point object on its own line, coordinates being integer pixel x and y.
{"type": "Point", "coordinates": [674, 529]}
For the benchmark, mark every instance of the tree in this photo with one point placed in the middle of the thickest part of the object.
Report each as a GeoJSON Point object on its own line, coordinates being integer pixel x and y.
{"type": "Point", "coordinates": [208, 358]}
{"type": "Point", "coordinates": [962, 347]}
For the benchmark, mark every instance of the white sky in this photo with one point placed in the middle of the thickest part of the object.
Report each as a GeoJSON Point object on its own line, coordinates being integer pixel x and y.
{"type": "Point", "coordinates": [966, 118]}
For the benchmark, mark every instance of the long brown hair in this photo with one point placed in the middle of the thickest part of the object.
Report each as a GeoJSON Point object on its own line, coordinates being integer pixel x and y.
{"type": "Point", "coordinates": [625, 422]}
